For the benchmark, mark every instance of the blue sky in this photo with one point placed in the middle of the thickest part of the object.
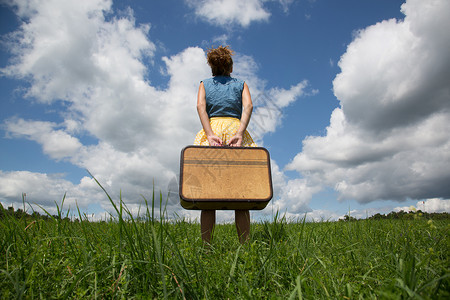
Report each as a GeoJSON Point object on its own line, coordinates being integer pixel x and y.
{"type": "Point", "coordinates": [352, 99]}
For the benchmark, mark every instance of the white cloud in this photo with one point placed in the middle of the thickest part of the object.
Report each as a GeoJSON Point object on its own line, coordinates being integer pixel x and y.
{"type": "Point", "coordinates": [45, 190]}
{"type": "Point", "coordinates": [96, 66]}
{"type": "Point", "coordinates": [291, 196]}
{"type": "Point", "coordinates": [285, 4]}
{"type": "Point", "coordinates": [390, 138]}
{"type": "Point", "coordinates": [55, 142]}
{"type": "Point", "coordinates": [228, 12]}
{"type": "Point", "coordinates": [221, 39]}
{"type": "Point", "coordinates": [234, 12]}
{"type": "Point", "coordinates": [62, 33]}
{"type": "Point", "coordinates": [294, 196]}
{"type": "Point", "coordinates": [434, 205]}
{"type": "Point", "coordinates": [268, 108]}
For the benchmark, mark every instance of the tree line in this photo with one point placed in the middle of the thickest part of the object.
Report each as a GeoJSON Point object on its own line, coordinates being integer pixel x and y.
{"type": "Point", "coordinates": [21, 214]}
{"type": "Point", "coordinates": [403, 215]}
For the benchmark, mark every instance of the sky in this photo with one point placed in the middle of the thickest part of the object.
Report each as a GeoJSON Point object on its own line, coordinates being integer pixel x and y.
{"type": "Point", "coordinates": [351, 98]}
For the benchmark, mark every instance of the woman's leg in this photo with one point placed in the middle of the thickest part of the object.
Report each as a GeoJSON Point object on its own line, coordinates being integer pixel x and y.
{"type": "Point", "coordinates": [207, 222]}
{"type": "Point", "coordinates": [242, 220]}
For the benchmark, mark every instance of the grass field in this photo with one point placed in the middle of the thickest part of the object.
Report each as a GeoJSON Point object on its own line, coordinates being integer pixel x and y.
{"type": "Point", "coordinates": [142, 257]}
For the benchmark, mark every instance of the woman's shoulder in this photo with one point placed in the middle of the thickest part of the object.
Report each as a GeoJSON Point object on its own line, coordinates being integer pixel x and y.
{"type": "Point", "coordinates": [207, 80]}
{"type": "Point", "coordinates": [239, 83]}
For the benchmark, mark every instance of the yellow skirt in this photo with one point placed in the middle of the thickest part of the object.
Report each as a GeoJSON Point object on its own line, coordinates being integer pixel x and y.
{"type": "Point", "coordinates": [225, 128]}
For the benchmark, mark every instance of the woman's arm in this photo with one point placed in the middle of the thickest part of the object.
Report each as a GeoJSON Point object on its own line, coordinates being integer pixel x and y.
{"type": "Point", "coordinates": [204, 119]}
{"type": "Point", "coordinates": [236, 140]}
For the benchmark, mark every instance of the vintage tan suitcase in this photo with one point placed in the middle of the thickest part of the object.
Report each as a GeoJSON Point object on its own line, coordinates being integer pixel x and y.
{"type": "Point", "coordinates": [225, 178]}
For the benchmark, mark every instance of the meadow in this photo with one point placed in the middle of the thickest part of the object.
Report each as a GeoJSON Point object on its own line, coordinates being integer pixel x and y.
{"type": "Point", "coordinates": [143, 257]}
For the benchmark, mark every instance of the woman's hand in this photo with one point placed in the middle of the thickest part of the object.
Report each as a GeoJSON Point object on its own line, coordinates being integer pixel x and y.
{"type": "Point", "coordinates": [214, 140]}
{"type": "Point", "coordinates": [236, 141]}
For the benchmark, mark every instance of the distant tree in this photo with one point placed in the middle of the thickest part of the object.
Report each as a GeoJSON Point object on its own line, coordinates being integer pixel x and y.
{"type": "Point", "coordinates": [378, 216]}
{"type": "Point", "coordinates": [348, 218]}
{"type": "Point", "coordinates": [411, 215]}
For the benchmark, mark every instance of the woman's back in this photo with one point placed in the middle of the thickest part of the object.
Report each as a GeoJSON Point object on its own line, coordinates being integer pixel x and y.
{"type": "Point", "coordinates": [223, 96]}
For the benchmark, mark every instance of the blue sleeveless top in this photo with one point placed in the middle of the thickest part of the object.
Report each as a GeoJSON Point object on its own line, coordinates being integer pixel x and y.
{"type": "Point", "coordinates": [224, 96]}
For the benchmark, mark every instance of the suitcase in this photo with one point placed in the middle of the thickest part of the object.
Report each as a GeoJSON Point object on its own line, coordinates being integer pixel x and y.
{"type": "Point", "coordinates": [225, 178]}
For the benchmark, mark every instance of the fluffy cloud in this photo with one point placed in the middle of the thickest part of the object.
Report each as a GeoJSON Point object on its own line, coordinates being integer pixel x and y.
{"type": "Point", "coordinates": [390, 138]}
{"type": "Point", "coordinates": [118, 126]}
{"type": "Point", "coordinates": [223, 13]}
{"type": "Point", "coordinates": [45, 190]}
{"type": "Point", "coordinates": [434, 205]}
{"type": "Point", "coordinates": [268, 108]}
{"type": "Point", "coordinates": [234, 12]}
{"type": "Point", "coordinates": [55, 142]}
{"type": "Point", "coordinates": [292, 195]}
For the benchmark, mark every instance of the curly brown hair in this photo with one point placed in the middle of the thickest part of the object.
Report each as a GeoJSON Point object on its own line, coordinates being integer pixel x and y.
{"type": "Point", "coordinates": [220, 61]}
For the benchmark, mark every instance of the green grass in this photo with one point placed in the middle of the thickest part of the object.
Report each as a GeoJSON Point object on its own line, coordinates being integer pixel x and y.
{"type": "Point", "coordinates": [142, 257]}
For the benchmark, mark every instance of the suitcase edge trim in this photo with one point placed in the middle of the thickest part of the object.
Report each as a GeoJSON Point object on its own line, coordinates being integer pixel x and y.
{"type": "Point", "coordinates": [232, 205]}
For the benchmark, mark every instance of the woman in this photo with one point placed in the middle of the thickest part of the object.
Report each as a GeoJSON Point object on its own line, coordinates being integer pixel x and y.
{"type": "Point", "coordinates": [224, 106]}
